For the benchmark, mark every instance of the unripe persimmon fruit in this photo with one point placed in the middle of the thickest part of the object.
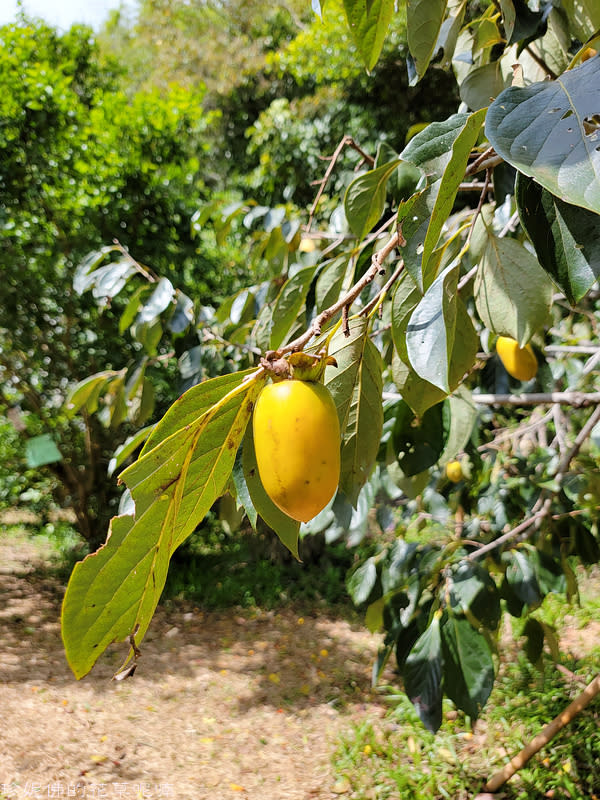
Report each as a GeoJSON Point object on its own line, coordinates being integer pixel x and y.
{"type": "Point", "coordinates": [297, 444]}
{"type": "Point", "coordinates": [520, 362]}
{"type": "Point", "coordinates": [454, 471]}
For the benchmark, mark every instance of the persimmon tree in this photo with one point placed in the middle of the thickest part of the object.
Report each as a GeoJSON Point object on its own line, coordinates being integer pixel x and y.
{"type": "Point", "coordinates": [486, 224]}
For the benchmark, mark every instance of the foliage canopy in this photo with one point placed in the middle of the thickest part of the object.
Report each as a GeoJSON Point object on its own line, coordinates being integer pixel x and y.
{"type": "Point", "coordinates": [480, 224]}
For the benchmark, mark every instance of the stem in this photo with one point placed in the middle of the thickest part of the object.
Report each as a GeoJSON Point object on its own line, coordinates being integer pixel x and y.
{"type": "Point", "coordinates": [376, 301]}
{"type": "Point", "coordinates": [547, 733]}
{"type": "Point", "coordinates": [543, 504]}
{"type": "Point", "coordinates": [347, 141]}
{"type": "Point", "coordinates": [540, 61]}
{"type": "Point", "coordinates": [346, 300]}
{"type": "Point", "coordinates": [576, 399]}
{"type": "Point", "coordinates": [150, 277]}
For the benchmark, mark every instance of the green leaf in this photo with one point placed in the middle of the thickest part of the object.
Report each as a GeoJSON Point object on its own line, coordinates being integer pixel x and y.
{"type": "Point", "coordinates": [286, 528]}
{"type": "Point", "coordinates": [463, 416]}
{"type": "Point", "coordinates": [482, 84]}
{"type": "Point", "coordinates": [417, 392]}
{"type": "Point", "coordinates": [113, 593]}
{"type": "Point", "coordinates": [442, 152]}
{"type": "Point", "coordinates": [330, 281]}
{"type": "Point", "coordinates": [240, 488]}
{"type": "Point", "coordinates": [440, 337]}
{"type": "Point", "coordinates": [509, 17]}
{"type": "Point", "coordinates": [193, 404]}
{"type": "Point", "coordinates": [356, 385]}
{"type": "Point", "coordinates": [128, 447]}
{"type": "Point", "coordinates": [541, 130]}
{"type": "Point", "coordinates": [566, 237]}
{"type": "Point", "coordinates": [405, 300]}
{"type": "Point", "coordinates": [474, 593]}
{"type": "Point", "coordinates": [364, 201]}
{"type": "Point", "coordinates": [369, 21]}
{"type": "Point", "coordinates": [41, 450]}
{"type": "Point", "coordinates": [534, 644]}
{"type": "Point", "coordinates": [418, 442]}
{"type": "Point", "coordinates": [85, 394]}
{"type": "Point", "coordinates": [132, 307]}
{"type": "Point", "coordinates": [289, 301]}
{"type": "Point", "coordinates": [422, 673]}
{"type": "Point", "coordinates": [521, 577]}
{"type": "Point", "coordinates": [423, 23]}
{"type": "Point", "coordinates": [513, 294]}
{"type": "Point", "coordinates": [468, 666]}
{"type": "Point", "coordinates": [450, 30]}
{"type": "Point", "coordinates": [361, 582]}
{"type": "Point", "coordinates": [584, 17]}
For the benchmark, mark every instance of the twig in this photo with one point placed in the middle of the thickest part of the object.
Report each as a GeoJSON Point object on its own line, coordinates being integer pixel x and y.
{"type": "Point", "coordinates": [575, 399]}
{"type": "Point", "coordinates": [543, 504]}
{"type": "Point", "coordinates": [347, 141]}
{"type": "Point", "coordinates": [347, 300]}
{"type": "Point", "coordinates": [372, 304]}
{"type": "Point", "coordinates": [486, 160]}
{"type": "Point", "coordinates": [150, 277]}
{"type": "Point", "coordinates": [486, 183]}
{"type": "Point", "coordinates": [540, 61]}
{"type": "Point", "coordinates": [545, 736]}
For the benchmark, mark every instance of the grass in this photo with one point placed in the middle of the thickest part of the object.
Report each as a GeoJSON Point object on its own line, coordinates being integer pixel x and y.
{"type": "Point", "coordinates": [238, 571]}
{"type": "Point", "coordinates": [397, 759]}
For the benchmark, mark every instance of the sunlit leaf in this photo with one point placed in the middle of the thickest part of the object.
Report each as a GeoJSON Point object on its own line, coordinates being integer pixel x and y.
{"type": "Point", "coordinates": [364, 201]}
{"type": "Point", "coordinates": [356, 386]}
{"type": "Point", "coordinates": [541, 130]}
{"type": "Point", "coordinates": [112, 593]}
{"type": "Point", "coordinates": [369, 21]}
{"type": "Point", "coordinates": [424, 20]}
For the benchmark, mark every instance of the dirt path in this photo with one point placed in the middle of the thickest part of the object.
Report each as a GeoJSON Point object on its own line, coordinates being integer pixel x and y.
{"type": "Point", "coordinates": [224, 705]}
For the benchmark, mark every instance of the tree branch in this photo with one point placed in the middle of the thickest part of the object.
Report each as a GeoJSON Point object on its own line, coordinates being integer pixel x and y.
{"type": "Point", "coordinates": [347, 141]}
{"type": "Point", "coordinates": [547, 733]}
{"type": "Point", "coordinates": [346, 300]}
{"type": "Point", "coordinates": [543, 504]}
{"type": "Point", "coordinates": [575, 399]}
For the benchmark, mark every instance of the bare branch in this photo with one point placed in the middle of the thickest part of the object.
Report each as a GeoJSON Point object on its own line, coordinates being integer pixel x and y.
{"type": "Point", "coordinates": [347, 141]}
{"type": "Point", "coordinates": [547, 733]}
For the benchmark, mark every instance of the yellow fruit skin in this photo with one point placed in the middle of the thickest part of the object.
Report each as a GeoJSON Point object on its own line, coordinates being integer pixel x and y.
{"type": "Point", "coordinates": [454, 471]}
{"type": "Point", "coordinates": [297, 444]}
{"type": "Point", "coordinates": [520, 362]}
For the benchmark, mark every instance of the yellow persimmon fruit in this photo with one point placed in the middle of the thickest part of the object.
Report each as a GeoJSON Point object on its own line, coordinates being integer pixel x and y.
{"type": "Point", "coordinates": [297, 444]}
{"type": "Point", "coordinates": [520, 362]}
{"type": "Point", "coordinates": [454, 471]}
{"type": "Point", "coordinates": [307, 245]}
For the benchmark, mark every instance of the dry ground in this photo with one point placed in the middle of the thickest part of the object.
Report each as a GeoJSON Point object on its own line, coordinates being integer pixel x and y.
{"type": "Point", "coordinates": [223, 705]}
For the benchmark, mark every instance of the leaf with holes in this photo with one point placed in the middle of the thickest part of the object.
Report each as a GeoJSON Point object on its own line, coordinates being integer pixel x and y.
{"type": "Point", "coordinates": [112, 593]}
{"type": "Point", "coordinates": [547, 132]}
{"type": "Point", "coordinates": [441, 151]}
{"type": "Point", "coordinates": [566, 237]}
